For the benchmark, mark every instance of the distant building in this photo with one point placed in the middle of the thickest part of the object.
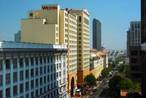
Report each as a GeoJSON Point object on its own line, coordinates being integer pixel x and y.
{"type": "Point", "coordinates": [96, 34]}
{"type": "Point", "coordinates": [134, 49]}
{"type": "Point", "coordinates": [17, 36]}
{"type": "Point", "coordinates": [96, 63]}
{"type": "Point", "coordinates": [113, 54]}
{"type": "Point", "coordinates": [32, 70]}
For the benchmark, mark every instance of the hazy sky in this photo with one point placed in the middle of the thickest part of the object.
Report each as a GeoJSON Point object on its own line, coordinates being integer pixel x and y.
{"type": "Point", "coordinates": [114, 15]}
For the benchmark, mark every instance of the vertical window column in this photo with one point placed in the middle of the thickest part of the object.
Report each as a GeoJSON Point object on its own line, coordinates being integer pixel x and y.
{"type": "Point", "coordinates": [4, 79]}
{"type": "Point", "coordinates": [11, 77]}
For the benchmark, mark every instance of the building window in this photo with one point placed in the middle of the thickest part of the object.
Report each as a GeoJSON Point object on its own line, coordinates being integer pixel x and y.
{"type": "Point", "coordinates": [41, 90]}
{"type": "Point", "coordinates": [32, 84]}
{"type": "Point", "coordinates": [8, 78]}
{"type": "Point", "coordinates": [41, 70]}
{"type": "Point", "coordinates": [21, 88]}
{"type": "Point", "coordinates": [21, 97]}
{"type": "Point", "coordinates": [51, 58]}
{"type": "Point", "coordinates": [27, 95]}
{"type": "Point", "coordinates": [41, 61]}
{"type": "Point", "coordinates": [36, 60]}
{"type": "Point", "coordinates": [44, 69]}
{"type": "Point", "coordinates": [44, 79]}
{"type": "Point", "coordinates": [48, 78]}
{"type": "Point", "coordinates": [32, 61]}
{"type": "Point", "coordinates": [14, 63]}
{"type": "Point", "coordinates": [27, 74]}
{"type": "Point", "coordinates": [36, 82]}
{"type": "Point", "coordinates": [32, 95]}
{"type": "Point", "coordinates": [21, 75]}
{"type": "Point", "coordinates": [8, 93]}
{"type": "Point", "coordinates": [1, 65]}
{"type": "Point", "coordinates": [51, 68]}
{"type": "Point", "coordinates": [37, 92]}
{"type": "Point", "coordinates": [41, 80]}
{"type": "Point", "coordinates": [1, 80]}
{"type": "Point", "coordinates": [51, 76]}
{"type": "Point", "coordinates": [134, 60]}
{"type": "Point", "coordinates": [45, 61]}
{"type": "Point", "coordinates": [80, 19]}
{"type": "Point", "coordinates": [15, 90]}
{"type": "Point", "coordinates": [48, 87]}
{"type": "Point", "coordinates": [15, 77]}
{"type": "Point", "coordinates": [44, 89]}
{"type": "Point", "coordinates": [48, 69]}
{"type": "Point", "coordinates": [48, 58]}
{"type": "Point", "coordinates": [32, 72]}
{"type": "Point", "coordinates": [36, 72]}
{"type": "Point", "coordinates": [1, 94]}
{"type": "Point", "coordinates": [86, 21]}
{"type": "Point", "coordinates": [26, 86]}
{"type": "Point", "coordinates": [27, 62]}
{"type": "Point", "coordinates": [7, 64]}
{"type": "Point", "coordinates": [21, 63]}
{"type": "Point", "coordinates": [134, 53]}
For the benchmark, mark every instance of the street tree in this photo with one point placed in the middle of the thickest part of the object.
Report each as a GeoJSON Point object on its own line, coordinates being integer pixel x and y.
{"type": "Point", "coordinates": [90, 80]}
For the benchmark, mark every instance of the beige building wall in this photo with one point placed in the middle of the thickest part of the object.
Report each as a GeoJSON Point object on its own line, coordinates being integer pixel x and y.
{"type": "Point", "coordinates": [42, 26]}
{"type": "Point", "coordinates": [33, 30]}
{"type": "Point", "coordinates": [68, 36]}
{"type": "Point", "coordinates": [82, 44]}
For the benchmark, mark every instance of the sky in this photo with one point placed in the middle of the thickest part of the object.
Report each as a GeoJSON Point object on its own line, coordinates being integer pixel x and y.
{"type": "Point", "coordinates": [115, 16]}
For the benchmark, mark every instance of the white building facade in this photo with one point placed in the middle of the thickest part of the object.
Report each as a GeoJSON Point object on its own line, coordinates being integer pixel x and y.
{"type": "Point", "coordinates": [32, 70]}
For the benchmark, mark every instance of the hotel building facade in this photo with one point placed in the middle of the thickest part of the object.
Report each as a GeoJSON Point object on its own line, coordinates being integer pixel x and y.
{"type": "Point", "coordinates": [52, 25]}
{"type": "Point", "coordinates": [32, 70]}
{"type": "Point", "coordinates": [83, 44]}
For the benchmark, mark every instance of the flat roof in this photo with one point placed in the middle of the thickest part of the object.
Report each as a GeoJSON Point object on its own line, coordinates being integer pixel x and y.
{"type": "Point", "coordinates": [7, 45]}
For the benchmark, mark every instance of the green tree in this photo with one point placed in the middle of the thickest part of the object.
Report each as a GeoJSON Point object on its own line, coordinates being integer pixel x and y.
{"type": "Point", "coordinates": [126, 84]}
{"type": "Point", "coordinates": [106, 71]}
{"type": "Point", "coordinates": [136, 87]}
{"type": "Point", "coordinates": [121, 68]}
{"type": "Point", "coordinates": [90, 80]}
{"type": "Point", "coordinates": [114, 86]}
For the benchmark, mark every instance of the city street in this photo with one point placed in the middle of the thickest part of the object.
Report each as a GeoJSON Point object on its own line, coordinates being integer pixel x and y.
{"type": "Point", "coordinates": [99, 91]}
{"type": "Point", "coordinates": [102, 90]}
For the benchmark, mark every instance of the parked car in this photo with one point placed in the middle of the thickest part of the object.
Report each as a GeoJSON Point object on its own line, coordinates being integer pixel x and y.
{"type": "Point", "coordinates": [77, 93]}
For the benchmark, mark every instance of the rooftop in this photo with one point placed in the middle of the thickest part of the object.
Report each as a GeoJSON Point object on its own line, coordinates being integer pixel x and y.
{"type": "Point", "coordinates": [22, 45]}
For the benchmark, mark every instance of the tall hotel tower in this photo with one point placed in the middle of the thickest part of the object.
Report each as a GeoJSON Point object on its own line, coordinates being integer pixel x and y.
{"type": "Point", "coordinates": [83, 44]}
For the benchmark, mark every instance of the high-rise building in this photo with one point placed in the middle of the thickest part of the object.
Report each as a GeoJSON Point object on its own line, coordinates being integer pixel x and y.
{"type": "Point", "coordinates": [96, 34]}
{"type": "Point", "coordinates": [143, 40]}
{"type": "Point", "coordinates": [52, 25]}
{"type": "Point", "coordinates": [32, 70]}
{"type": "Point", "coordinates": [134, 49]}
{"type": "Point", "coordinates": [68, 36]}
{"type": "Point", "coordinates": [83, 44]}
{"type": "Point", "coordinates": [134, 34]}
